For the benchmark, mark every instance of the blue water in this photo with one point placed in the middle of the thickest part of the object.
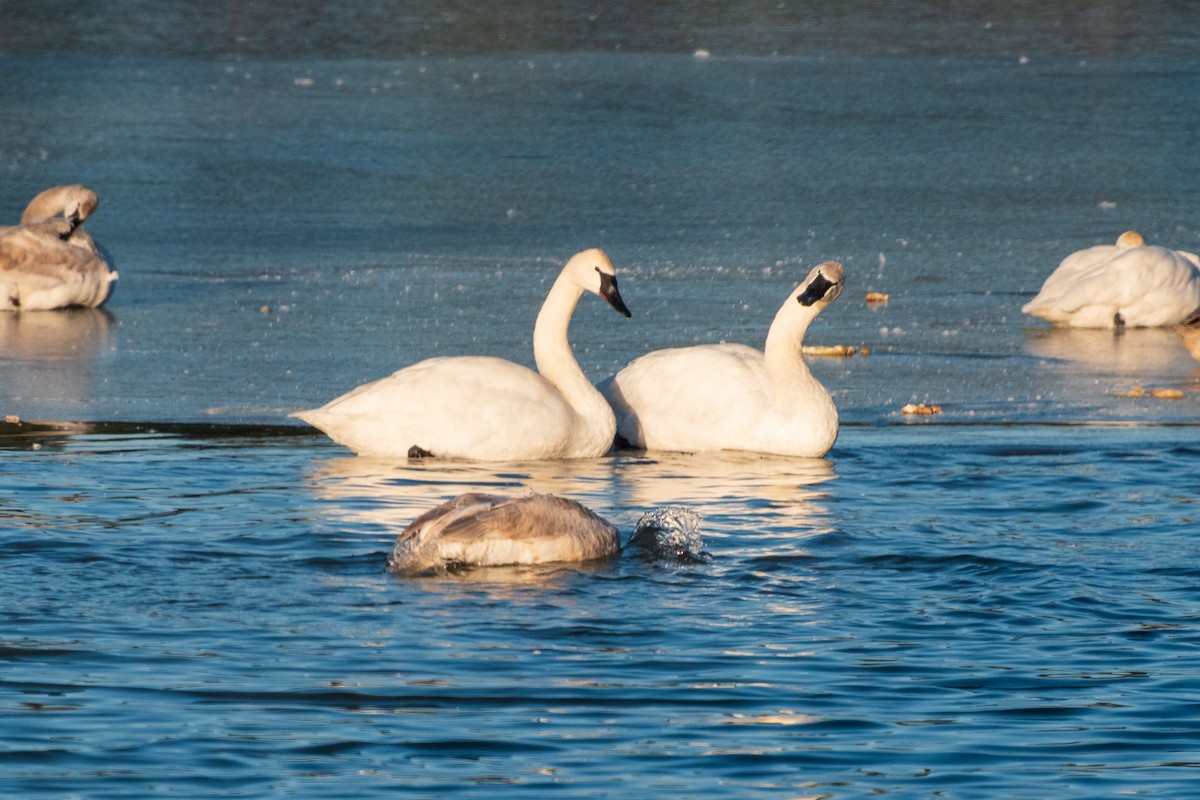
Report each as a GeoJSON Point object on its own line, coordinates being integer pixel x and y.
{"type": "Point", "coordinates": [1000, 601]}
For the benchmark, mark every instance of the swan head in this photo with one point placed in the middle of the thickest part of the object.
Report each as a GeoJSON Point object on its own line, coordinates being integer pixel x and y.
{"type": "Point", "coordinates": [1130, 239]}
{"type": "Point", "coordinates": [75, 202]}
{"type": "Point", "coordinates": [822, 286]}
{"type": "Point", "coordinates": [592, 271]}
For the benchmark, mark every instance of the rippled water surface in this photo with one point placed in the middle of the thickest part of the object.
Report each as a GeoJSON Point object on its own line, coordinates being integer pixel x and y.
{"type": "Point", "coordinates": [973, 613]}
{"type": "Point", "coordinates": [999, 601]}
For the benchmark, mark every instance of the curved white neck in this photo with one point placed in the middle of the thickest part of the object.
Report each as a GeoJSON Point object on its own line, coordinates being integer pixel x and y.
{"type": "Point", "coordinates": [552, 350]}
{"type": "Point", "coordinates": [782, 353]}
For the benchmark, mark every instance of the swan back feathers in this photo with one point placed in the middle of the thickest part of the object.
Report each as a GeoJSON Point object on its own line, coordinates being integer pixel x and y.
{"type": "Point", "coordinates": [490, 530]}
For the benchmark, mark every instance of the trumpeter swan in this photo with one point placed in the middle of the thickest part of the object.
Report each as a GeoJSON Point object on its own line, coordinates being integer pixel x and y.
{"type": "Point", "coordinates": [1128, 283]}
{"type": "Point", "coordinates": [484, 408]}
{"type": "Point", "coordinates": [731, 396]}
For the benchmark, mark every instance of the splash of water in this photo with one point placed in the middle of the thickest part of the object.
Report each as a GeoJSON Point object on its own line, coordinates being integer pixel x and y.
{"type": "Point", "coordinates": [672, 532]}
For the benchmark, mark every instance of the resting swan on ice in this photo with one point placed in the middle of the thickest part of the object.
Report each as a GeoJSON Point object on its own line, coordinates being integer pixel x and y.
{"type": "Point", "coordinates": [1129, 283]}
{"type": "Point", "coordinates": [49, 261]}
{"type": "Point", "coordinates": [730, 396]}
{"type": "Point", "coordinates": [484, 530]}
{"type": "Point", "coordinates": [489, 409]}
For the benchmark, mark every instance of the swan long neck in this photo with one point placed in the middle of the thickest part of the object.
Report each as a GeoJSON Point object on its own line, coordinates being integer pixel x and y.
{"type": "Point", "coordinates": [552, 350]}
{"type": "Point", "coordinates": [782, 353]}
{"type": "Point", "coordinates": [61, 201]}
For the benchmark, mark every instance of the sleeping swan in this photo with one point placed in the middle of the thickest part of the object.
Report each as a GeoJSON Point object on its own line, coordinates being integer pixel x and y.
{"type": "Point", "coordinates": [489, 409]}
{"type": "Point", "coordinates": [484, 530]}
{"type": "Point", "coordinates": [1129, 283]}
{"type": "Point", "coordinates": [730, 396]}
{"type": "Point", "coordinates": [49, 261]}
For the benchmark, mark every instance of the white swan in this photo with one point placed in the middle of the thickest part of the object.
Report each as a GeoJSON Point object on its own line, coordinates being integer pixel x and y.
{"type": "Point", "coordinates": [489, 409]}
{"type": "Point", "coordinates": [489, 530]}
{"type": "Point", "coordinates": [49, 261]}
{"type": "Point", "coordinates": [730, 396]}
{"type": "Point", "coordinates": [1129, 283]}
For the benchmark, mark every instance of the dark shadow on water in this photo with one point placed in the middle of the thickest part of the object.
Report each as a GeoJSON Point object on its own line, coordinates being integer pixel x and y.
{"type": "Point", "coordinates": [21, 434]}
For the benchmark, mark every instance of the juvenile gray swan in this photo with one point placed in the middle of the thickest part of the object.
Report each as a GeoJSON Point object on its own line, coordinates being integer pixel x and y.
{"type": "Point", "coordinates": [49, 261]}
{"type": "Point", "coordinates": [485, 530]}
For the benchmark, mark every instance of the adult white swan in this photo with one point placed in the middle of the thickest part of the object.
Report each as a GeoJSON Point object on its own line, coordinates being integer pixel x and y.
{"type": "Point", "coordinates": [1129, 283]}
{"type": "Point", "coordinates": [489, 409]}
{"type": "Point", "coordinates": [730, 396]}
{"type": "Point", "coordinates": [49, 261]}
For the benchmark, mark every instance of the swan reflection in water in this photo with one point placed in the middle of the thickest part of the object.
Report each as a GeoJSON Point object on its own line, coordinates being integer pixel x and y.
{"type": "Point", "coordinates": [769, 503]}
{"type": "Point", "coordinates": [45, 357]}
{"type": "Point", "coordinates": [387, 494]}
{"type": "Point", "coordinates": [1188, 332]}
{"type": "Point", "coordinates": [765, 504]}
{"type": "Point", "coordinates": [1135, 351]}
{"type": "Point", "coordinates": [540, 500]}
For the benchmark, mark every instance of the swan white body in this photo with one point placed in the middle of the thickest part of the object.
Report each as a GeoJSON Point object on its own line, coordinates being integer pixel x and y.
{"type": "Point", "coordinates": [489, 409]}
{"type": "Point", "coordinates": [730, 396]}
{"type": "Point", "coordinates": [1129, 283]}
{"type": "Point", "coordinates": [489, 530]}
{"type": "Point", "coordinates": [49, 261]}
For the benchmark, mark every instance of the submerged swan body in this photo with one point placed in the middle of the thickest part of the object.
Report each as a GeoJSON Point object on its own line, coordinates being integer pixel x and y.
{"type": "Point", "coordinates": [49, 261]}
{"type": "Point", "coordinates": [489, 409]}
{"type": "Point", "coordinates": [490, 530]}
{"type": "Point", "coordinates": [734, 397]}
{"type": "Point", "coordinates": [483, 530]}
{"type": "Point", "coordinates": [1129, 283]}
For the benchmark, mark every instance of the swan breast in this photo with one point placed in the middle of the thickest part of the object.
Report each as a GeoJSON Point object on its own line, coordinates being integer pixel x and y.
{"type": "Point", "coordinates": [663, 396]}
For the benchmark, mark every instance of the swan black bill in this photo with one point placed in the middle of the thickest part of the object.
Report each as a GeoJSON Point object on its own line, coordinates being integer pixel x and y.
{"type": "Point", "coordinates": [608, 290]}
{"type": "Point", "coordinates": [817, 290]}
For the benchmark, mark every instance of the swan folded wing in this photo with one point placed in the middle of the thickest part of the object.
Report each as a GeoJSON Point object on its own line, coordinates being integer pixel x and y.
{"type": "Point", "coordinates": [488, 530]}
{"type": "Point", "coordinates": [416, 550]}
{"type": "Point", "coordinates": [1083, 266]}
{"type": "Point", "coordinates": [39, 271]}
{"type": "Point", "coordinates": [1146, 286]}
{"type": "Point", "coordinates": [436, 519]}
{"type": "Point", "coordinates": [685, 398]}
{"type": "Point", "coordinates": [438, 405]}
